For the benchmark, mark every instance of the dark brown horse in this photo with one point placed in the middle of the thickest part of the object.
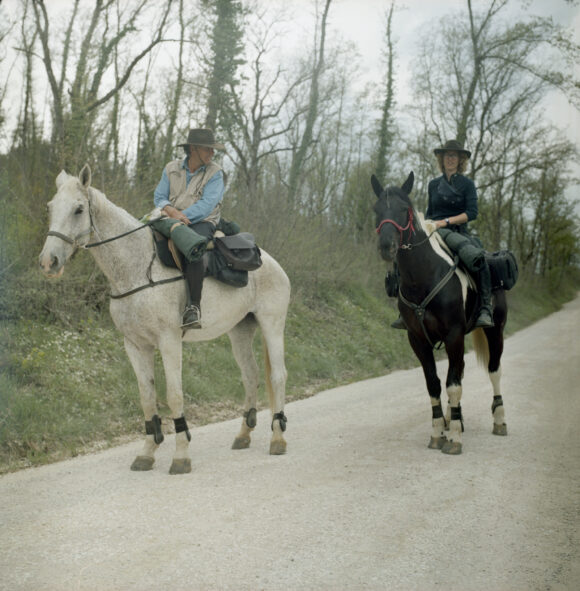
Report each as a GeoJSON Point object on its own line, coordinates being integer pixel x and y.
{"type": "Point", "coordinates": [438, 303]}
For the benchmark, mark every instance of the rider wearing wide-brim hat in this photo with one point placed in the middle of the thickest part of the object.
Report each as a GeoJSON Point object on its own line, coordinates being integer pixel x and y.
{"type": "Point", "coordinates": [190, 192]}
{"type": "Point", "coordinates": [452, 204]}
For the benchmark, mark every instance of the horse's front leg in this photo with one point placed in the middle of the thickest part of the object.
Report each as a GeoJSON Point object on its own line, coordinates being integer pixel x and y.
{"type": "Point", "coordinates": [170, 348]}
{"type": "Point", "coordinates": [424, 353]}
{"type": "Point", "coordinates": [142, 360]}
{"type": "Point", "coordinates": [455, 347]}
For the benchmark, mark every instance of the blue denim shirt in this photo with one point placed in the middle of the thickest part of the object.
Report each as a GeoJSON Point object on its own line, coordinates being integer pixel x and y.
{"type": "Point", "coordinates": [213, 193]}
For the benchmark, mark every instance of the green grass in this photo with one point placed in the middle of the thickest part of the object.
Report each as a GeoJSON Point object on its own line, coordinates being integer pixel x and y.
{"type": "Point", "coordinates": [64, 392]}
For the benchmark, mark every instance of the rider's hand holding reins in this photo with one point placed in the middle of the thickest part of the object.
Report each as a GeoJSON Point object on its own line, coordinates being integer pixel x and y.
{"type": "Point", "coordinates": [175, 214]}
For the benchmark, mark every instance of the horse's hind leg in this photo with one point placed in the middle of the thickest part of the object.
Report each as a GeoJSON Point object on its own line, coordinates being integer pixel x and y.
{"type": "Point", "coordinates": [242, 337]}
{"type": "Point", "coordinates": [273, 334]}
{"type": "Point", "coordinates": [495, 339]}
{"type": "Point", "coordinates": [141, 359]}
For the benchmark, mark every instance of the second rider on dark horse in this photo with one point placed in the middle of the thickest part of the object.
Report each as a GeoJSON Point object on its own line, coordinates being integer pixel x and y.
{"type": "Point", "coordinates": [452, 203]}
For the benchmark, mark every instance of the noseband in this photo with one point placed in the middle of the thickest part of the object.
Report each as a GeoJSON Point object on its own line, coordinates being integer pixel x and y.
{"type": "Point", "coordinates": [400, 228]}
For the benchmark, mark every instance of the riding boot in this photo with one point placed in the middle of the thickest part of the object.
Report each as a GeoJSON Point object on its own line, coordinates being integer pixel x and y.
{"type": "Point", "coordinates": [194, 273]}
{"type": "Point", "coordinates": [484, 315]}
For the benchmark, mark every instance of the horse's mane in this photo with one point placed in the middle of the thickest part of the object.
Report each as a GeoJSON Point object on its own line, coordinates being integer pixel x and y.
{"type": "Point", "coordinates": [101, 202]}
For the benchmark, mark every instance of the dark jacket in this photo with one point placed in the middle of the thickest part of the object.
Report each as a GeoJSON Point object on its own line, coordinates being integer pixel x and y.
{"type": "Point", "coordinates": [447, 199]}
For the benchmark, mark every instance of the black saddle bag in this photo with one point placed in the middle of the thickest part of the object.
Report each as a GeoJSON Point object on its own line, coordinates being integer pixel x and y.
{"type": "Point", "coordinates": [240, 251]}
{"type": "Point", "coordinates": [503, 268]}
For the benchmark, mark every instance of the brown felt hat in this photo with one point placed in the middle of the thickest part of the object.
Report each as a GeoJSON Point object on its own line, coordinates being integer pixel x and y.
{"type": "Point", "coordinates": [452, 146]}
{"type": "Point", "coordinates": [202, 137]}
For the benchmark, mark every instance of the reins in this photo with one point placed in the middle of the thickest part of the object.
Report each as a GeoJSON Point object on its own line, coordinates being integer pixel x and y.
{"type": "Point", "coordinates": [419, 309]}
{"type": "Point", "coordinates": [75, 243]}
{"type": "Point", "coordinates": [151, 283]}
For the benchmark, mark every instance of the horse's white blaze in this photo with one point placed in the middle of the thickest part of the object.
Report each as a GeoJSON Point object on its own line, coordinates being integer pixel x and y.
{"type": "Point", "coordinates": [150, 319]}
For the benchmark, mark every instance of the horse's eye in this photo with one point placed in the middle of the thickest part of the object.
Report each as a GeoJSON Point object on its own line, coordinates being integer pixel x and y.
{"type": "Point", "coordinates": [79, 210]}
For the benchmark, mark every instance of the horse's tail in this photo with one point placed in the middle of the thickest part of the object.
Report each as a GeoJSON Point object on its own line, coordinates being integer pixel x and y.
{"type": "Point", "coordinates": [268, 375]}
{"type": "Point", "coordinates": [481, 347]}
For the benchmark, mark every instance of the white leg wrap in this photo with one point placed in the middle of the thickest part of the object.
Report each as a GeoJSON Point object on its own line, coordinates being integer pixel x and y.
{"type": "Point", "coordinates": [498, 413]}
{"type": "Point", "coordinates": [454, 394]}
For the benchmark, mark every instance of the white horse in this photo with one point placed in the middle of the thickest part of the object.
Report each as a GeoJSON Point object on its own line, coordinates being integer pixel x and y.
{"type": "Point", "coordinates": [150, 318]}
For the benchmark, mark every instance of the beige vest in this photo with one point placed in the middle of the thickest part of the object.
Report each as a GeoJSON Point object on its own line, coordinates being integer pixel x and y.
{"type": "Point", "coordinates": [182, 196]}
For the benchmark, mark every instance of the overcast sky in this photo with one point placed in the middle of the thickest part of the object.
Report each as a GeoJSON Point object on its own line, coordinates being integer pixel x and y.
{"type": "Point", "coordinates": [363, 23]}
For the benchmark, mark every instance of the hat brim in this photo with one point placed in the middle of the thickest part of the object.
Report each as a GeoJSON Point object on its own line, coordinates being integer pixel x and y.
{"type": "Point", "coordinates": [215, 146]}
{"type": "Point", "coordinates": [438, 151]}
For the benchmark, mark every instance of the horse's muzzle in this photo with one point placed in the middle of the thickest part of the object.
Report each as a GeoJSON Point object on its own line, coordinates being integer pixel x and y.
{"type": "Point", "coordinates": [50, 264]}
{"type": "Point", "coordinates": [388, 252]}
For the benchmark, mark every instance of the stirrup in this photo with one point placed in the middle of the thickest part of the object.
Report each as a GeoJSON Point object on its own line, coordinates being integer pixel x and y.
{"type": "Point", "coordinates": [191, 317]}
{"type": "Point", "coordinates": [399, 323]}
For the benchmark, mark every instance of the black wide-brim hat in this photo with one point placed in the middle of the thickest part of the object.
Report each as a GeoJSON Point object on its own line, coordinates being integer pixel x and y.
{"type": "Point", "coordinates": [452, 146]}
{"type": "Point", "coordinates": [202, 137]}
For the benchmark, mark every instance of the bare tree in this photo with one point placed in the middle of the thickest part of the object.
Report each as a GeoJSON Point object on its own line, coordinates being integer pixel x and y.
{"type": "Point", "coordinates": [74, 111]}
{"type": "Point", "coordinates": [305, 143]}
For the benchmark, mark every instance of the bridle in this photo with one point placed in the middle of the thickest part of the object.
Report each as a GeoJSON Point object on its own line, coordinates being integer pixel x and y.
{"type": "Point", "coordinates": [401, 229]}
{"type": "Point", "coordinates": [75, 242]}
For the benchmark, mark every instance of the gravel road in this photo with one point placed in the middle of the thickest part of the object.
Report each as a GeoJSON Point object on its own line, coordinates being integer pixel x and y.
{"type": "Point", "coordinates": [359, 502]}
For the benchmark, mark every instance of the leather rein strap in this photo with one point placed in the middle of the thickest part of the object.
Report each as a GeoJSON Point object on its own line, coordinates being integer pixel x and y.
{"type": "Point", "coordinates": [419, 309]}
{"type": "Point", "coordinates": [151, 283]}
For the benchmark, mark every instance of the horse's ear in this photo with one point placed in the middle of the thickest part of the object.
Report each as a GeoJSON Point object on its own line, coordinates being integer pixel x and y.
{"type": "Point", "coordinates": [377, 187]}
{"type": "Point", "coordinates": [61, 178]}
{"type": "Point", "coordinates": [85, 176]}
{"type": "Point", "coordinates": [408, 184]}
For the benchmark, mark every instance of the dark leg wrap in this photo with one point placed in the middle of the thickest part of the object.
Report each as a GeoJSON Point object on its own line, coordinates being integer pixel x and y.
{"type": "Point", "coordinates": [153, 427]}
{"type": "Point", "coordinates": [251, 418]}
{"type": "Point", "coordinates": [180, 426]}
{"type": "Point", "coordinates": [457, 416]}
{"type": "Point", "coordinates": [280, 416]}
{"type": "Point", "coordinates": [437, 412]}
{"type": "Point", "coordinates": [497, 401]}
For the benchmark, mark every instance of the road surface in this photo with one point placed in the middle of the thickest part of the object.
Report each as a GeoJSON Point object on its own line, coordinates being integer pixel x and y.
{"type": "Point", "coordinates": [359, 502]}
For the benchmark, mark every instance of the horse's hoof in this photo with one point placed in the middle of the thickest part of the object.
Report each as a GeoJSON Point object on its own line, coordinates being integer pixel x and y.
{"type": "Point", "coordinates": [437, 442]}
{"type": "Point", "coordinates": [500, 429]}
{"type": "Point", "coordinates": [241, 443]}
{"type": "Point", "coordinates": [142, 464]}
{"type": "Point", "coordinates": [278, 447]}
{"type": "Point", "coordinates": [452, 448]}
{"type": "Point", "coordinates": [180, 466]}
